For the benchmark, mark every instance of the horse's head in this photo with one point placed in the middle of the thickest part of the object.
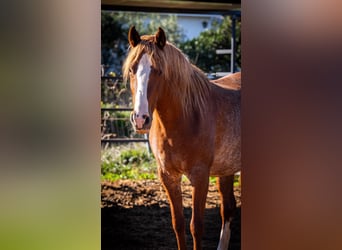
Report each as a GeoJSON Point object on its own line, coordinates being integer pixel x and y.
{"type": "Point", "coordinates": [144, 74]}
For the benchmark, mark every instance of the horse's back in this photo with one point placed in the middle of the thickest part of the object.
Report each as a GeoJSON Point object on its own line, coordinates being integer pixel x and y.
{"type": "Point", "coordinates": [232, 81]}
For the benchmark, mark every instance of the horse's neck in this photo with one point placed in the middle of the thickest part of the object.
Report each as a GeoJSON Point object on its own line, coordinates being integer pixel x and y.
{"type": "Point", "coordinates": [169, 109]}
{"type": "Point", "coordinates": [171, 115]}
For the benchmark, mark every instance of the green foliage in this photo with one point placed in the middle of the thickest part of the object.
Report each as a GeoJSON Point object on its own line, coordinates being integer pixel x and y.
{"type": "Point", "coordinates": [237, 180]}
{"type": "Point", "coordinates": [130, 164]}
{"type": "Point", "coordinates": [202, 50]}
{"type": "Point", "coordinates": [136, 164]}
{"type": "Point", "coordinates": [148, 23]}
{"type": "Point", "coordinates": [212, 179]}
{"type": "Point", "coordinates": [237, 183]}
{"type": "Point", "coordinates": [113, 41]}
{"type": "Point", "coordinates": [115, 26]}
{"type": "Point", "coordinates": [111, 30]}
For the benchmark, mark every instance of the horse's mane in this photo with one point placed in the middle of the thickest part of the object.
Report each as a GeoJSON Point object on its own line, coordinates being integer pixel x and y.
{"type": "Point", "coordinates": [186, 81]}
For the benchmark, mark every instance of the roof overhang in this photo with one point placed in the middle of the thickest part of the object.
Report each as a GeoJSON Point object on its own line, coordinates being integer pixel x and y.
{"type": "Point", "coordinates": [174, 6]}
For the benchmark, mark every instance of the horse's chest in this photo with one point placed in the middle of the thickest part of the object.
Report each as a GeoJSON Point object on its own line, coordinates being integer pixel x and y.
{"type": "Point", "coordinates": [177, 157]}
{"type": "Point", "coordinates": [170, 160]}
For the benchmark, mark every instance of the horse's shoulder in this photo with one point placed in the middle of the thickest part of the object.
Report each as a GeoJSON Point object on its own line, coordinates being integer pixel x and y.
{"type": "Point", "coordinates": [232, 81]}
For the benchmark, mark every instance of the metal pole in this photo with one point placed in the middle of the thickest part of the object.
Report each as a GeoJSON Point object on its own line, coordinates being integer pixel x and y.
{"type": "Point", "coordinates": [233, 56]}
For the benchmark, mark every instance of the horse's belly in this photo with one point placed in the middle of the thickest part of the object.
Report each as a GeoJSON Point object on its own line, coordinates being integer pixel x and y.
{"type": "Point", "coordinates": [224, 168]}
{"type": "Point", "coordinates": [227, 160]}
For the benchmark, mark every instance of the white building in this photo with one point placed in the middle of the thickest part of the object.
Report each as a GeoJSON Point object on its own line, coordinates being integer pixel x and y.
{"type": "Point", "coordinates": [194, 24]}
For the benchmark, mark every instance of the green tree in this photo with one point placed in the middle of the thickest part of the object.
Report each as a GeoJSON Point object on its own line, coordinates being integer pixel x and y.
{"type": "Point", "coordinates": [115, 26]}
{"type": "Point", "coordinates": [202, 50]}
{"type": "Point", "coordinates": [148, 23]}
{"type": "Point", "coordinates": [113, 43]}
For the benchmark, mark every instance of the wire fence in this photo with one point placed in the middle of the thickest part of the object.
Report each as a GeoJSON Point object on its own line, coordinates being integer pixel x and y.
{"type": "Point", "coordinates": [116, 105]}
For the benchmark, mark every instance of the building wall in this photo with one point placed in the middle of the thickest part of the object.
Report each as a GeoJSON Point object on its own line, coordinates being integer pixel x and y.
{"type": "Point", "coordinates": [194, 24]}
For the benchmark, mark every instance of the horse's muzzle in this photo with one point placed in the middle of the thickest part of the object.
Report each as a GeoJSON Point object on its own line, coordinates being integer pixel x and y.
{"type": "Point", "coordinates": [140, 123]}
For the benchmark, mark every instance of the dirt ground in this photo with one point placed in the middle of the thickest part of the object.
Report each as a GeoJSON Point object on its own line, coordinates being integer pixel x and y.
{"type": "Point", "coordinates": [136, 215]}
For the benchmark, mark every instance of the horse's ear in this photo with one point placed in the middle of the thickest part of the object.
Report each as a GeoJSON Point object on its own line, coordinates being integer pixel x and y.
{"type": "Point", "coordinates": [133, 37]}
{"type": "Point", "coordinates": [160, 38]}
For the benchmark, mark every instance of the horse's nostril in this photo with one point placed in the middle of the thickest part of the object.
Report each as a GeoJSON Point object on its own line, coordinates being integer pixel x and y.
{"type": "Point", "coordinates": [147, 119]}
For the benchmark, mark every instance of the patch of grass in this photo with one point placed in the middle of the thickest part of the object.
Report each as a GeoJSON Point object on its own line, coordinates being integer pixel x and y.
{"type": "Point", "coordinates": [129, 164]}
{"type": "Point", "coordinates": [136, 164]}
{"type": "Point", "coordinates": [237, 180]}
{"type": "Point", "coordinates": [212, 180]}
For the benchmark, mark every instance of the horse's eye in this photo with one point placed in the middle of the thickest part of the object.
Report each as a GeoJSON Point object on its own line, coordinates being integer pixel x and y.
{"type": "Point", "coordinates": [157, 71]}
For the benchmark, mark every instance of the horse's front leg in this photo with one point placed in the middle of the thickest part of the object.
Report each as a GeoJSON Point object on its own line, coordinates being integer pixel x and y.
{"type": "Point", "coordinates": [172, 185]}
{"type": "Point", "coordinates": [200, 181]}
{"type": "Point", "coordinates": [228, 205]}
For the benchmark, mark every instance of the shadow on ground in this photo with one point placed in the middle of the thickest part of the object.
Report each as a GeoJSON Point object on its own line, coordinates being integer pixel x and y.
{"type": "Point", "coordinates": [149, 226]}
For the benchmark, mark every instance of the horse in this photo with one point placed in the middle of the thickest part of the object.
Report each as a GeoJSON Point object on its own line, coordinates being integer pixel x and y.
{"type": "Point", "coordinates": [193, 126]}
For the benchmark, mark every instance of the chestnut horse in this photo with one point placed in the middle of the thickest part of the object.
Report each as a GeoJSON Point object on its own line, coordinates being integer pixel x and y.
{"type": "Point", "coordinates": [193, 125]}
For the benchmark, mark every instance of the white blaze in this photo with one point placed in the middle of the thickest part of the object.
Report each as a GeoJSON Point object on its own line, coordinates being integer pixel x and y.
{"type": "Point", "coordinates": [140, 102]}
